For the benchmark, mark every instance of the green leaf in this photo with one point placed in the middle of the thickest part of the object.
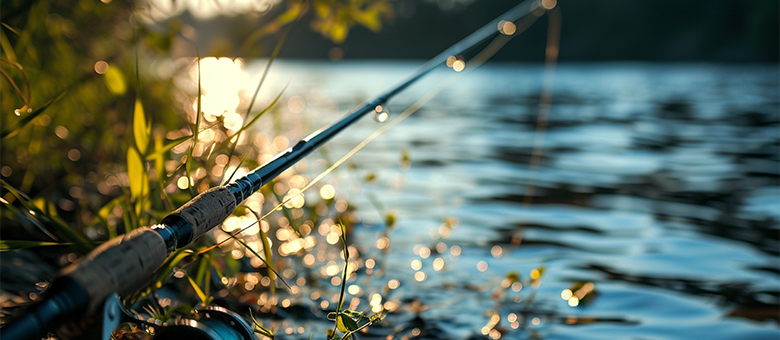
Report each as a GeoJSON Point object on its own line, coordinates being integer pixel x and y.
{"type": "Point", "coordinates": [405, 160]}
{"type": "Point", "coordinates": [196, 127]}
{"type": "Point", "coordinates": [115, 81]}
{"type": "Point", "coordinates": [294, 11]}
{"type": "Point", "coordinates": [167, 267]}
{"type": "Point", "coordinates": [259, 326]}
{"type": "Point", "coordinates": [238, 166]}
{"type": "Point", "coordinates": [390, 219]}
{"type": "Point", "coordinates": [104, 213]}
{"type": "Point", "coordinates": [322, 9]}
{"type": "Point", "coordinates": [161, 42]}
{"type": "Point", "coordinates": [254, 119]}
{"type": "Point", "coordinates": [135, 172]}
{"type": "Point", "coordinates": [159, 151]}
{"type": "Point", "coordinates": [536, 275]}
{"type": "Point", "coordinates": [338, 33]}
{"type": "Point", "coordinates": [13, 130]}
{"type": "Point", "coordinates": [203, 275]}
{"type": "Point", "coordinates": [268, 254]}
{"type": "Point", "coordinates": [345, 324]}
{"type": "Point", "coordinates": [181, 309]}
{"type": "Point", "coordinates": [513, 277]}
{"type": "Point", "coordinates": [353, 314]}
{"type": "Point", "coordinates": [159, 165]}
{"type": "Point", "coordinates": [346, 266]}
{"type": "Point", "coordinates": [61, 229]}
{"type": "Point", "coordinates": [369, 18]}
{"type": "Point", "coordinates": [128, 216]}
{"type": "Point", "coordinates": [267, 263]}
{"type": "Point", "coordinates": [8, 245]}
{"type": "Point", "coordinates": [154, 312]}
{"type": "Point", "coordinates": [141, 129]}
{"type": "Point", "coordinates": [287, 213]}
{"type": "Point", "coordinates": [5, 44]}
{"type": "Point", "coordinates": [215, 265]}
{"type": "Point", "coordinates": [202, 296]}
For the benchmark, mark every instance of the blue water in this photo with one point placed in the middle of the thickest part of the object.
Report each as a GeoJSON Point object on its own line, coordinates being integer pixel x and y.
{"type": "Point", "coordinates": [657, 183]}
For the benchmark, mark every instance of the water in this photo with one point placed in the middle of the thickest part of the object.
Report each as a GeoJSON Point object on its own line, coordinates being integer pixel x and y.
{"type": "Point", "coordinates": [657, 183]}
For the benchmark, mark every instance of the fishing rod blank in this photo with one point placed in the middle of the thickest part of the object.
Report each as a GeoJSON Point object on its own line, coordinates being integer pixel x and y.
{"type": "Point", "coordinates": [126, 263]}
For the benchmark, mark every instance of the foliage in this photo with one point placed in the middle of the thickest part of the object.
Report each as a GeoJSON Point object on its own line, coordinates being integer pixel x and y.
{"type": "Point", "coordinates": [98, 138]}
{"type": "Point", "coordinates": [334, 18]}
{"type": "Point", "coordinates": [347, 321]}
{"type": "Point", "coordinates": [69, 68]}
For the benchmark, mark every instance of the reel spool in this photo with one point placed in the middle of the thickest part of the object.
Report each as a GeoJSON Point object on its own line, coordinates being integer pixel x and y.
{"type": "Point", "coordinates": [214, 323]}
{"type": "Point", "coordinates": [210, 323]}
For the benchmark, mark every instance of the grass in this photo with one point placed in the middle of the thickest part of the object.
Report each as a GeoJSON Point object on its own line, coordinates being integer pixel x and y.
{"type": "Point", "coordinates": [348, 322]}
{"type": "Point", "coordinates": [82, 172]}
{"type": "Point", "coordinates": [121, 174]}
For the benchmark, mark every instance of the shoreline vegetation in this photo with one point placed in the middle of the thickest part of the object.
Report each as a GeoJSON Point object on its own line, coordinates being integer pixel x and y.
{"type": "Point", "coordinates": [110, 122]}
{"type": "Point", "coordinates": [594, 30]}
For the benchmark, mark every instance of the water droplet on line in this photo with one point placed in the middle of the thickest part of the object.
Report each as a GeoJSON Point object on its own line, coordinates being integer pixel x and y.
{"type": "Point", "coordinates": [380, 114]}
{"type": "Point", "coordinates": [507, 27]}
{"type": "Point", "coordinates": [451, 60]}
{"type": "Point", "coordinates": [459, 65]}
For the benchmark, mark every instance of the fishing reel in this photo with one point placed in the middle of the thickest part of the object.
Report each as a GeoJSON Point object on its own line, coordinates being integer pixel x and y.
{"type": "Point", "coordinates": [210, 323]}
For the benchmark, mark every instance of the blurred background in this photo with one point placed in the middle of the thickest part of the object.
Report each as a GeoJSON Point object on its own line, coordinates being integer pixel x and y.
{"type": "Point", "coordinates": [593, 30]}
{"type": "Point", "coordinates": [642, 202]}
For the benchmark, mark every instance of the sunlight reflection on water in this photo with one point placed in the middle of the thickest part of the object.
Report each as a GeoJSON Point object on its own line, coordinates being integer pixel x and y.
{"type": "Point", "coordinates": [659, 185]}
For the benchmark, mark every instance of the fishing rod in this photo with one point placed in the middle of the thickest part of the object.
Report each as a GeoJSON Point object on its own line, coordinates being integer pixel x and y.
{"type": "Point", "coordinates": [123, 265]}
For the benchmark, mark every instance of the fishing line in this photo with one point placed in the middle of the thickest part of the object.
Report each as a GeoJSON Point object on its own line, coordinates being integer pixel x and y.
{"type": "Point", "coordinates": [545, 102]}
{"type": "Point", "coordinates": [484, 55]}
{"type": "Point", "coordinates": [124, 264]}
{"type": "Point", "coordinates": [237, 135]}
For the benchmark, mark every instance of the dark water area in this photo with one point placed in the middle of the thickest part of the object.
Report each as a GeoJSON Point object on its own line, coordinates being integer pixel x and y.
{"type": "Point", "coordinates": [656, 200]}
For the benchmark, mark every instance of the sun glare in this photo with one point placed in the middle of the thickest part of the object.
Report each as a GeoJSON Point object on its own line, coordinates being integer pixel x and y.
{"type": "Point", "coordinates": [221, 80]}
{"type": "Point", "coordinates": [160, 10]}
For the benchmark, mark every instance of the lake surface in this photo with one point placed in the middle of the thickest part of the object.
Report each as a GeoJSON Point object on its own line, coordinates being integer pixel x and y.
{"type": "Point", "coordinates": [656, 199]}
